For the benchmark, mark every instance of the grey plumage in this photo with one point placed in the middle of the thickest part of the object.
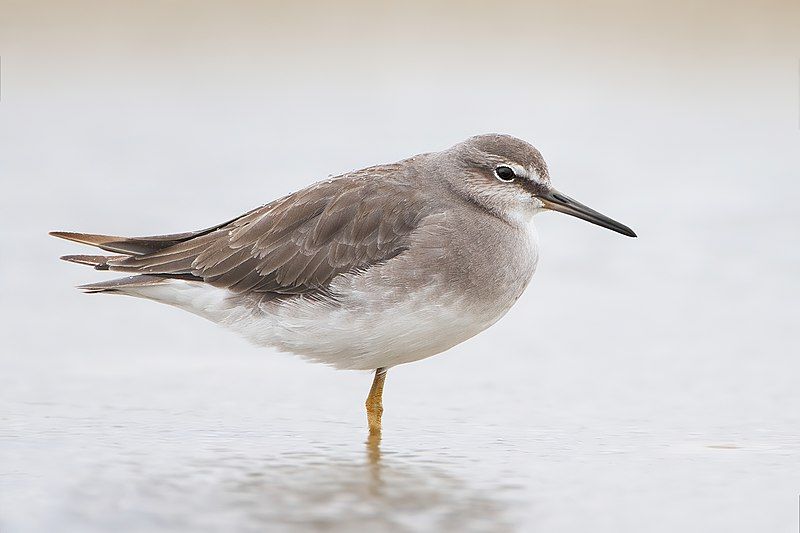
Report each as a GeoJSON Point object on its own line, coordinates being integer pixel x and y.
{"type": "Point", "coordinates": [294, 245]}
{"type": "Point", "coordinates": [377, 267]}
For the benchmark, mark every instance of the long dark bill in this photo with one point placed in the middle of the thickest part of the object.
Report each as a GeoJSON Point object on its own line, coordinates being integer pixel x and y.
{"type": "Point", "coordinates": [560, 202]}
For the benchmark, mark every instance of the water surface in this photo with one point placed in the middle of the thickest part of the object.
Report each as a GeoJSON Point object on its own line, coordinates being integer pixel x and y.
{"type": "Point", "coordinates": [638, 385]}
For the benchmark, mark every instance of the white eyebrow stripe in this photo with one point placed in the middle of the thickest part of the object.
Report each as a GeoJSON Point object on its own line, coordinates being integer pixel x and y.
{"type": "Point", "coordinates": [533, 175]}
{"type": "Point", "coordinates": [519, 170]}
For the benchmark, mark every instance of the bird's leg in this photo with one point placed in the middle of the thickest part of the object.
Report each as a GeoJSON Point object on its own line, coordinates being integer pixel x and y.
{"type": "Point", "coordinates": [374, 402]}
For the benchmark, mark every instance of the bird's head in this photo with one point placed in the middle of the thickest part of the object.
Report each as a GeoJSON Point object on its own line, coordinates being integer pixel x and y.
{"type": "Point", "coordinates": [509, 177]}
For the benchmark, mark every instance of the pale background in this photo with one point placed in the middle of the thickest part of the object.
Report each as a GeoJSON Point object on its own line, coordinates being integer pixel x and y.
{"type": "Point", "coordinates": [645, 384]}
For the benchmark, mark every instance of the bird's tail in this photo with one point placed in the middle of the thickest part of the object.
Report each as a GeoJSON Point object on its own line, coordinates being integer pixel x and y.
{"type": "Point", "coordinates": [99, 262]}
{"type": "Point", "coordinates": [128, 246]}
{"type": "Point", "coordinates": [125, 285]}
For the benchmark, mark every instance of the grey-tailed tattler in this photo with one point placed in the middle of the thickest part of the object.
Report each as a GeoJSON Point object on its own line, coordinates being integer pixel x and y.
{"type": "Point", "coordinates": [369, 270]}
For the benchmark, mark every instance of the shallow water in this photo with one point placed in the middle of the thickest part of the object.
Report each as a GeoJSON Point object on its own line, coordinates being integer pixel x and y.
{"type": "Point", "coordinates": [137, 438]}
{"type": "Point", "coordinates": [638, 385]}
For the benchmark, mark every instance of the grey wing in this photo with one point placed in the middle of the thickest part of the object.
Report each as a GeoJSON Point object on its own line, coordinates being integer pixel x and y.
{"type": "Point", "coordinates": [297, 244]}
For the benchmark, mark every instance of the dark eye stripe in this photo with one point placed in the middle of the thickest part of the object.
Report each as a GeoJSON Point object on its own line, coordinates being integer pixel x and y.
{"type": "Point", "coordinates": [505, 173]}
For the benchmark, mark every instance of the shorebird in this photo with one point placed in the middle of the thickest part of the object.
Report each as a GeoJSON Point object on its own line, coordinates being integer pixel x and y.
{"type": "Point", "coordinates": [368, 270]}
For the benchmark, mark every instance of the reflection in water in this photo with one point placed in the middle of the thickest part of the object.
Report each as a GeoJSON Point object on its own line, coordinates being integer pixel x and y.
{"type": "Point", "coordinates": [374, 462]}
{"type": "Point", "coordinates": [296, 490]}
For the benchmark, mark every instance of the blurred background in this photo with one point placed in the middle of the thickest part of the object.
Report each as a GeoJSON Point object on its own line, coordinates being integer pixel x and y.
{"type": "Point", "coordinates": [638, 384]}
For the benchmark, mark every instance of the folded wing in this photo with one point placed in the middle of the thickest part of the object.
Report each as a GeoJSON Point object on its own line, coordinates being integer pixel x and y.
{"type": "Point", "coordinates": [295, 245]}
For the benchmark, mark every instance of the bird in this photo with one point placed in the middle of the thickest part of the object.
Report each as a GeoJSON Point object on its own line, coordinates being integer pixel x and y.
{"type": "Point", "coordinates": [368, 270]}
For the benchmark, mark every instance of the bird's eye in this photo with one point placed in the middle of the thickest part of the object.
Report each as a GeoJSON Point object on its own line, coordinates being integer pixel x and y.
{"type": "Point", "coordinates": [505, 173]}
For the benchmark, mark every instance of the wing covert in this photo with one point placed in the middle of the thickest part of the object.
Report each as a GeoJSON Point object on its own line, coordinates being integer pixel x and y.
{"type": "Point", "coordinates": [297, 244]}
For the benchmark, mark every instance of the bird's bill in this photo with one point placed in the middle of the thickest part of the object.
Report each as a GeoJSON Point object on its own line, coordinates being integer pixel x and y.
{"type": "Point", "coordinates": [556, 201]}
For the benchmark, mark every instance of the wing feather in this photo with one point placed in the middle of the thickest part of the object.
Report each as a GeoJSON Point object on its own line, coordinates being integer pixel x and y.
{"type": "Point", "coordinates": [300, 243]}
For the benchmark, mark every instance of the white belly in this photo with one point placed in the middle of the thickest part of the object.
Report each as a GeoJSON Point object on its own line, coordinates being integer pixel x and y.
{"type": "Point", "coordinates": [363, 334]}
{"type": "Point", "coordinates": [377, 319]}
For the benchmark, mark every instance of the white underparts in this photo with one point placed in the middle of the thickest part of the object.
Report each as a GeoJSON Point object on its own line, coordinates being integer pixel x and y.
{"type": "Point", "coordinates": [375, 320]}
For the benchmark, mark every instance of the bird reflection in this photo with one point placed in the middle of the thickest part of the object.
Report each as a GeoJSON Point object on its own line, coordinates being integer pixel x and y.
{"type": "Point", "coordinates": [335, 488]}
{"type": "Point", "coordinates": [378, 492]}
{"type": "Point", "coordinates": [374, 461]}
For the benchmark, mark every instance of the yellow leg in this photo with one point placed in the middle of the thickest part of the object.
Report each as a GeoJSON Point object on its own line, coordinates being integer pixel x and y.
{"type": "Point", "coordinates": [374, 402]}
